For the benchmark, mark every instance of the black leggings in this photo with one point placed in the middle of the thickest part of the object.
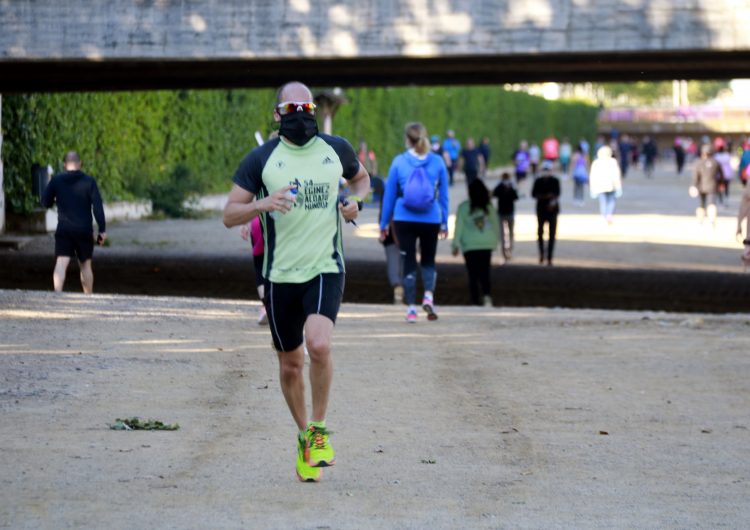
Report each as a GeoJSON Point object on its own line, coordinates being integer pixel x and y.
{"type": "Point", "coordinates": [407, 233]}
{"type": "Point", "coordinates": [478, 266]}
{"type": "Point", "coordinates": [551, 218]}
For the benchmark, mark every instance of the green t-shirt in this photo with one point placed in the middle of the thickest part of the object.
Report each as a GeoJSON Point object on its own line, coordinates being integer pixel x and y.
{"type": "Point", "coordinates": [306, 241]}
{"type": "Point", "coordinates": [476, 229]}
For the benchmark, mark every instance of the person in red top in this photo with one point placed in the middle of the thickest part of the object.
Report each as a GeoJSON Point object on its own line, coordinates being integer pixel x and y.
{"type": "Point", "coordinates": [367, 159]}
{"type": "Point", "coordinates": [254, 232]}
{"type": "Point", "coordinates": [551, 149]}
{"type": "Point", "coordinates": [719, 143]}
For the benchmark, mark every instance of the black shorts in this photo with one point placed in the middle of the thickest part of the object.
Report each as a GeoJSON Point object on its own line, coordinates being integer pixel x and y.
{"type": "Point", "coordinates": [708, 199]}
{"type": "Point", "coordinates": [74, 244]}
{"type": "Point", "coordinates": [289, 304]}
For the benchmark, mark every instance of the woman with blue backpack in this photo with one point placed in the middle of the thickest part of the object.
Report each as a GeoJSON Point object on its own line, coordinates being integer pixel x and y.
{"type": "Point", "coordinates": [416, 200]}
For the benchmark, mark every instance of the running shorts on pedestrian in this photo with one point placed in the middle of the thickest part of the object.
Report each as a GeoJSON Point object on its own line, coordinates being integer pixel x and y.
{"type": "Point", "coordinates": [289, 305]}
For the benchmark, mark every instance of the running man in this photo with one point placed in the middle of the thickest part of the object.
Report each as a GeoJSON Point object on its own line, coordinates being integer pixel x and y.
{"type": "Point", "coordinates": [76, 194]}
{"type": "Point", "coordinates": [292, 183]}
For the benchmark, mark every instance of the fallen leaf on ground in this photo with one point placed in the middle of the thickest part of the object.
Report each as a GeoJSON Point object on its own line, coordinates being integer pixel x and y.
{"type": "Point", "coordinates": [137, 424]}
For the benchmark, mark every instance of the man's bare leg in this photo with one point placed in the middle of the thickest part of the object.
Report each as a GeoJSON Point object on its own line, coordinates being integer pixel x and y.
{"type": "Point", "coordinates": [58, 276]}
{"type": "Point", "coordinates": [291, 376]}
{"type": "Point", "coordinates": [318, 331]}
{"type": "Point", "coordinates": [87, 276]}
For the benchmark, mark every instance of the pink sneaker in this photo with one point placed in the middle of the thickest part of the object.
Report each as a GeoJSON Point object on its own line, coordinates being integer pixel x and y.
{"type": "Point", "coordinates": [429, 308]}
{"type": "Point", "coordinates": [411, 316]}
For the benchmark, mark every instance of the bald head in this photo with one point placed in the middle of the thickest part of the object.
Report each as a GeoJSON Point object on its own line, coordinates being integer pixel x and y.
{"type": "Point", "coordinates": [72, 161]}
{"type": "Point", "coordinates": [294, 91]}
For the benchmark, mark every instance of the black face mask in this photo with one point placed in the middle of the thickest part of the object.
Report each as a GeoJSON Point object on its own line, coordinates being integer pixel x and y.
{"type": "Point", "coordinates": [298, 127]}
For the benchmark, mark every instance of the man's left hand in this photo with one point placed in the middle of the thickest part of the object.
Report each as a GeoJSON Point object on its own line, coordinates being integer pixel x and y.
{"type": "Point", "coordinates": [350, 211]}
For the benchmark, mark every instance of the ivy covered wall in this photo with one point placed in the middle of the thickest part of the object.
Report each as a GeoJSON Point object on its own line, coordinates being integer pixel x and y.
{"type": "Point", "coordinates": [133, 141]}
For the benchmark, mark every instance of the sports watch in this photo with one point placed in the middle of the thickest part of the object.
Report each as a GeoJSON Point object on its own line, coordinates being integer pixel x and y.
{"type": "Point", "coordinates": [359, 200]}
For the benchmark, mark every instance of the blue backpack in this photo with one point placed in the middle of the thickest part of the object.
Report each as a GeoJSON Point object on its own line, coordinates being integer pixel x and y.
{"type": "Point", "coordinates": [418, 192]}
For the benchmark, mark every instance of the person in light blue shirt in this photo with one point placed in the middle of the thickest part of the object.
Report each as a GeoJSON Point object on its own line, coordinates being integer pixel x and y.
{"type": "Point", "coordinates": [426, 222]}
{"type": "Point", "coordinates": [452, 148]}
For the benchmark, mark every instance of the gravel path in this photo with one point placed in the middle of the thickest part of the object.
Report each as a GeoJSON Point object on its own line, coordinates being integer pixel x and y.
{"type": "Point", "coordinates": [488, 418]}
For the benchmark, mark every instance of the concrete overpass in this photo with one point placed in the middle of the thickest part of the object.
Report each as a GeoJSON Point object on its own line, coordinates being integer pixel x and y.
{"type": "Point", "coordinates": [48, 45]}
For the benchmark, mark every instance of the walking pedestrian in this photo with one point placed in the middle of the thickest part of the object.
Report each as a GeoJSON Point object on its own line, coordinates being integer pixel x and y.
{"type": "Point", "coordinates": [437, 148]}
{"type": "Point", "coordinates": [507, 195]}
{"type": "Point", "coordinates": [605, 182]}
{"type": "Point", "coordinates": [292, 183]}
{"type": "Point", "coordinates": [546, 191]}
{"type": "Point", "coordinates": [535, 156]}
{"type": "Point", "coordinates": [743, 170]}
{"type": "Point", "coordinates": [476, 235]}
{"type": "Point", "coordinates": [743, 214]}
{"type": "Point", "coordinates": [580, 175]}
{"type": "Point", "coordinates": [392, 259]}
{"type": "Point", "coordinates": [522, 161]}
{"type": "Point", "coordinates": [76, 195]}
{"type": "Point", "coordinates": [727, 174]}
{"type": "Point", "coordinates": [566, 153]}
{"type": "Point", "coordinates": [551, 149]}
{"type": "Point", "coordinates": [367, 158]}
{"type": "Point", "coordinates": [650, 152]}
{"type": "Point", "coordinates": [416, 199]}
{"type": "Point", "coordinates": [584, 145]}
{"type": "Point", "coordinates": [679, 154]}
{"type": "Point", "coordinates": [452, 148]}
{"type": "Point", "coordinates": [704, 186]}
{"type": "Point", "coordinates": [473, 161]}
{"type": "Point", "coordinates": [625, 147]}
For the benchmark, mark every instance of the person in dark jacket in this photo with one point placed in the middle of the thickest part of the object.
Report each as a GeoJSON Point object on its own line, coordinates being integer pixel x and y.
{"type": "Point", "coordinates": [650, 151]}
{"type": "Point", "coordinates": [507, 195]}
{"type": "Point", "coordinates": [76, 195]}
{"type": "Point", "coordinates": [546, 191]}
{"type": "Point", "coordinates": [474, 162]}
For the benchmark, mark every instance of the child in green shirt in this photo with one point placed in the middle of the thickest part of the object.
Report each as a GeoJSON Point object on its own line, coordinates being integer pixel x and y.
{"type": "Point", "coordinates": [476, 235]}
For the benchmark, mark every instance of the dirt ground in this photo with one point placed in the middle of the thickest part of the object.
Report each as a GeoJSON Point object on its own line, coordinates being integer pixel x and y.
{"type": "Point", "coordinates": [488, 418]}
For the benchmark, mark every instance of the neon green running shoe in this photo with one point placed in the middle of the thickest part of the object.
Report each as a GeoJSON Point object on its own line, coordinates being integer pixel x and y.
{"type": "Point", "coordinates": [319, 452]}
{"type": "Point", "coordinates": [305, 472]}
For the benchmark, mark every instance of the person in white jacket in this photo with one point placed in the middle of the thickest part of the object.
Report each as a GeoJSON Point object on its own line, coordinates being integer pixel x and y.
{"type": "Point", "coordinates": [605, 182]}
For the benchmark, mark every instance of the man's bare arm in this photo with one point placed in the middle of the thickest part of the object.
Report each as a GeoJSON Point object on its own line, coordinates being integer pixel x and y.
{"type": "Point", "coordinates": [240, 208]}
{"type": "Point", "coordinates": [359, 185]}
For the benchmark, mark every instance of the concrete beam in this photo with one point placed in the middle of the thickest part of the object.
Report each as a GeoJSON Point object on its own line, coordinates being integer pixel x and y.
{"type": "Point", "coordinates": [51, 75]}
